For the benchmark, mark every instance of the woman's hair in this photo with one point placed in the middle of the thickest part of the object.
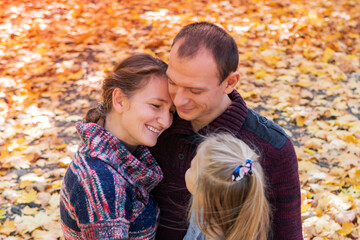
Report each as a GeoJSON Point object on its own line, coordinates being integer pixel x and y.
{"type": "Point", "coordinates": [228, 209]}
{"type": "Point", "coordinates": [129, 75]}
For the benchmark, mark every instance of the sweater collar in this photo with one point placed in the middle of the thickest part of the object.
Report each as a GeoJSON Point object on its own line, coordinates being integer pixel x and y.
{"type": "Point", "coordinates": [232, 119]}
{"type": "Point", "coordinates": [139, 168]}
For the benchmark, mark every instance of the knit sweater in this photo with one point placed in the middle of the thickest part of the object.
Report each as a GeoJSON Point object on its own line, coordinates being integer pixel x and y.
{"type": "Point", "coordinates": [105, 191]}
{"type": "Point", "coordinates": [177, 146]}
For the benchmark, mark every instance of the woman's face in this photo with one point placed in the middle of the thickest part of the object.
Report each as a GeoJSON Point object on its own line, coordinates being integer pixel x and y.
{"type": "Point", "coordinates": [148, 113]}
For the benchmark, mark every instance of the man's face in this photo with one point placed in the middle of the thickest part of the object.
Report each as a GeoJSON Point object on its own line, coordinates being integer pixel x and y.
{"type": "Point", "coordinates": [195, 88]}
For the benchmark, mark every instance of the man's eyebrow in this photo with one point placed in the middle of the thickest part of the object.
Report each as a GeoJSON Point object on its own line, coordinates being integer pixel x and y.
{"type": "Point", "coordinates": [193, 88]}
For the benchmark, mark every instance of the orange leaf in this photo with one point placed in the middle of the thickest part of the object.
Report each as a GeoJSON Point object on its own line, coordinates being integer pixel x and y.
{"type": "Point", "coordinates": [8, 227]}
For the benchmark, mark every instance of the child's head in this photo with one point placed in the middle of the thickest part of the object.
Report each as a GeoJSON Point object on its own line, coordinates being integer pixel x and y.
{"type": "Point", "coordinates": [226, 207]}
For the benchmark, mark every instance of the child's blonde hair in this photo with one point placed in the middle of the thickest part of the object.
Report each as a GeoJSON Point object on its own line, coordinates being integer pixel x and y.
{"type": "Point", "coordinates": [223, 208]}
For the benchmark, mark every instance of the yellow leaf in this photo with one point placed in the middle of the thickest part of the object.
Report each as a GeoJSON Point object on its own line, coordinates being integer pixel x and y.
{"type": "Point", "coordinates": [54, 201]}
{"type": "Point", "coordinates": [28, 197]}
{"type": "Point", "coordinates": [351, 139]}
{"type": "Point", "coordinates": [260, 73]}
{"type": "Point", "coordinates": [300, 121]}
{"type": "Point", "coordinates": [338, 86]}
{"type": "Point", "coordinates": [56, 184]}
{"type": "Point", "coordinates": [29, 211]}
{"type": "Point", "coordinates": [305, 207]}
{"type": "Point", "coordinates": [351, 56]}
{"type": "Point", "coordinates": [314, 143]}
{"type": "Point", "coordinates": [354, 35]}
{"type": "Point", "coordinates": [307, 68]}
{"type": "Point", "coordinates": [307, 150]}
{"type": "Point", "coordinates": [42, 234]}
{"type": "Point", "coordinates": [339, 77]}
{"type": "Point", "coordinates": [327, 55]}
{"type": "Point", "coordinates": [319, 212]}
{"type": "Point", "coordinates": [25, 183]}
{"type": "Point", "coordinates": [357, 174]}
{"type": "Point", "coordinates": [76, 75]}
{"type": "Point", "coordinates": [286, 78]}
{"type": "Point", "coordinates": [2, 213]}
{"type": "Point", "coordinates": [8, 227]}
{"type": "Point", "coordinates": [42, 50]}
{"type": "Point", "coordinates": [5, 152]}
{"type": "Point", "coordinates": [20, 141]}
{"type": "Point", "coordinates": [62, 146]}
{"type": "Point", "coordinates": [305, 83]}
{"type": "Point", "coordinates": [334, 112]}
{"type": "Point", "coordinates": [346, 229]}
{"type": "Point", "coordinates": [271, 60]}
{"type": "Point", "coordinates": [246, 56]}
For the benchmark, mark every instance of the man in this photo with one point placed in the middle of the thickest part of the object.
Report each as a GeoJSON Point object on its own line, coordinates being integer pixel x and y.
{"type": "Point", "coordinates": [202, 78]}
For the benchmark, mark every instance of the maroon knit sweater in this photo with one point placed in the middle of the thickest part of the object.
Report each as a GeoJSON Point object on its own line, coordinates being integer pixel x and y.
{"type": "Point", "coordinates": [177, 146]}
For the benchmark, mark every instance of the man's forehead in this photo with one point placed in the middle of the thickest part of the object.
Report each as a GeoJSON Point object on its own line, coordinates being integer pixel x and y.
{"type": "Point", "coordinates": [178, 51]}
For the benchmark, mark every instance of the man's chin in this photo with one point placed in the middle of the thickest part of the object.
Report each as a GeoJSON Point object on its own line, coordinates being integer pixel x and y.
{"type": "Point", "coordinates": [186, 116]}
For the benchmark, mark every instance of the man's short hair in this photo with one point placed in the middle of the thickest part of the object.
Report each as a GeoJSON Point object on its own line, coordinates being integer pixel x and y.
{"type": "Point", "coordinates": [215, 39]}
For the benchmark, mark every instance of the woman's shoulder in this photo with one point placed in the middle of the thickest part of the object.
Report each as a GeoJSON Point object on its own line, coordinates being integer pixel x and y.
{"type": "Point", "coordinates": [86, 171]}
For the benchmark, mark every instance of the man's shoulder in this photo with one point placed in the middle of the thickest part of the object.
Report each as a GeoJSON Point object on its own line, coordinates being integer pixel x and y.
{"type": "Point", "coordinates": [265, 129]}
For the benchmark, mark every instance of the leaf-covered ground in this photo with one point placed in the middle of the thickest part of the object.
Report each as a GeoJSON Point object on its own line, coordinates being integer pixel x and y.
{"type": "Point", "coordinates": [299, 67]}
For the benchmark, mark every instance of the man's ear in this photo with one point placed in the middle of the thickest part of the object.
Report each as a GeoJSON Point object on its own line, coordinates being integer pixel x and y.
{"type": "Point", "coordinates": [231, 81]}
{"type": "Point", "coordinates": [119, 100]}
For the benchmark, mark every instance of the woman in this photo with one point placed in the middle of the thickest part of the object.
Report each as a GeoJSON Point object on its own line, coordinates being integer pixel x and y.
{"type": "Point", "coordinates": [105, 192]}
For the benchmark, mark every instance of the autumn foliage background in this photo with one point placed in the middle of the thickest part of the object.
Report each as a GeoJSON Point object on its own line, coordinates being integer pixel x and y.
{"type": "Point", "coordinates": [299, 67]}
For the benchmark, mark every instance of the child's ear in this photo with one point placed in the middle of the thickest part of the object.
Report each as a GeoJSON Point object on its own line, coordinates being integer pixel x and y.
{"type": "Point", "coordinates": [231, 82]}
{"type": "Point", "coordinates": [119, 100]}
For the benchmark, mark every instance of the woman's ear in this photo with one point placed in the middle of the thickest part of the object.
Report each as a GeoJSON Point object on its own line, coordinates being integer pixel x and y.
{"type": "Point", "coordinates": [119, 100]}
{"type": "Point", "coordinates": [231, 82]}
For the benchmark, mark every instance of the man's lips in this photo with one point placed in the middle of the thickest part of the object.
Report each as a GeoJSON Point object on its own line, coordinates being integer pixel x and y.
{"type": "Point", "coordinates": [184, 109]}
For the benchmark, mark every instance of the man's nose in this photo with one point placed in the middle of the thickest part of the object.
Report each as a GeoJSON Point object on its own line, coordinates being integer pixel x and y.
{"type": "Point", "coordinates": [165, 119]}
{"type": "Point", "coordinates": [180, 97]}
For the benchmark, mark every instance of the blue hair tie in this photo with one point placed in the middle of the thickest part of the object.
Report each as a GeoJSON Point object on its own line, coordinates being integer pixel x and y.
{"type": "Point", "coordinates": [242, 170]}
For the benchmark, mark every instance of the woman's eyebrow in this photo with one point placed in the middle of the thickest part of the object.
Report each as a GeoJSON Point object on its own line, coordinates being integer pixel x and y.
{"type": "Point", "coordinates": [160, 99]}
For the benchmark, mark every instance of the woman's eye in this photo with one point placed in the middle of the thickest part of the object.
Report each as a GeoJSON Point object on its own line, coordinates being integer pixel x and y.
{"type": "Point", "coordinates": [155, 105]}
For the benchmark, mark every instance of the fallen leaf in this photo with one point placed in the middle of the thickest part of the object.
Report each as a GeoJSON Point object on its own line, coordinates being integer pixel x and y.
{"type": "Point", "coordinates": [28, 197]}
{"type": "Point", "coordinates": [8, 227]}
{"type": "Point", "coordinates": [346, 229]}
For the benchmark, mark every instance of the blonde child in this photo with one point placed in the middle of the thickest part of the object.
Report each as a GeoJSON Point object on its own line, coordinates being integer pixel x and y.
{"type": "Point", "coordinates": [228, 191]}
